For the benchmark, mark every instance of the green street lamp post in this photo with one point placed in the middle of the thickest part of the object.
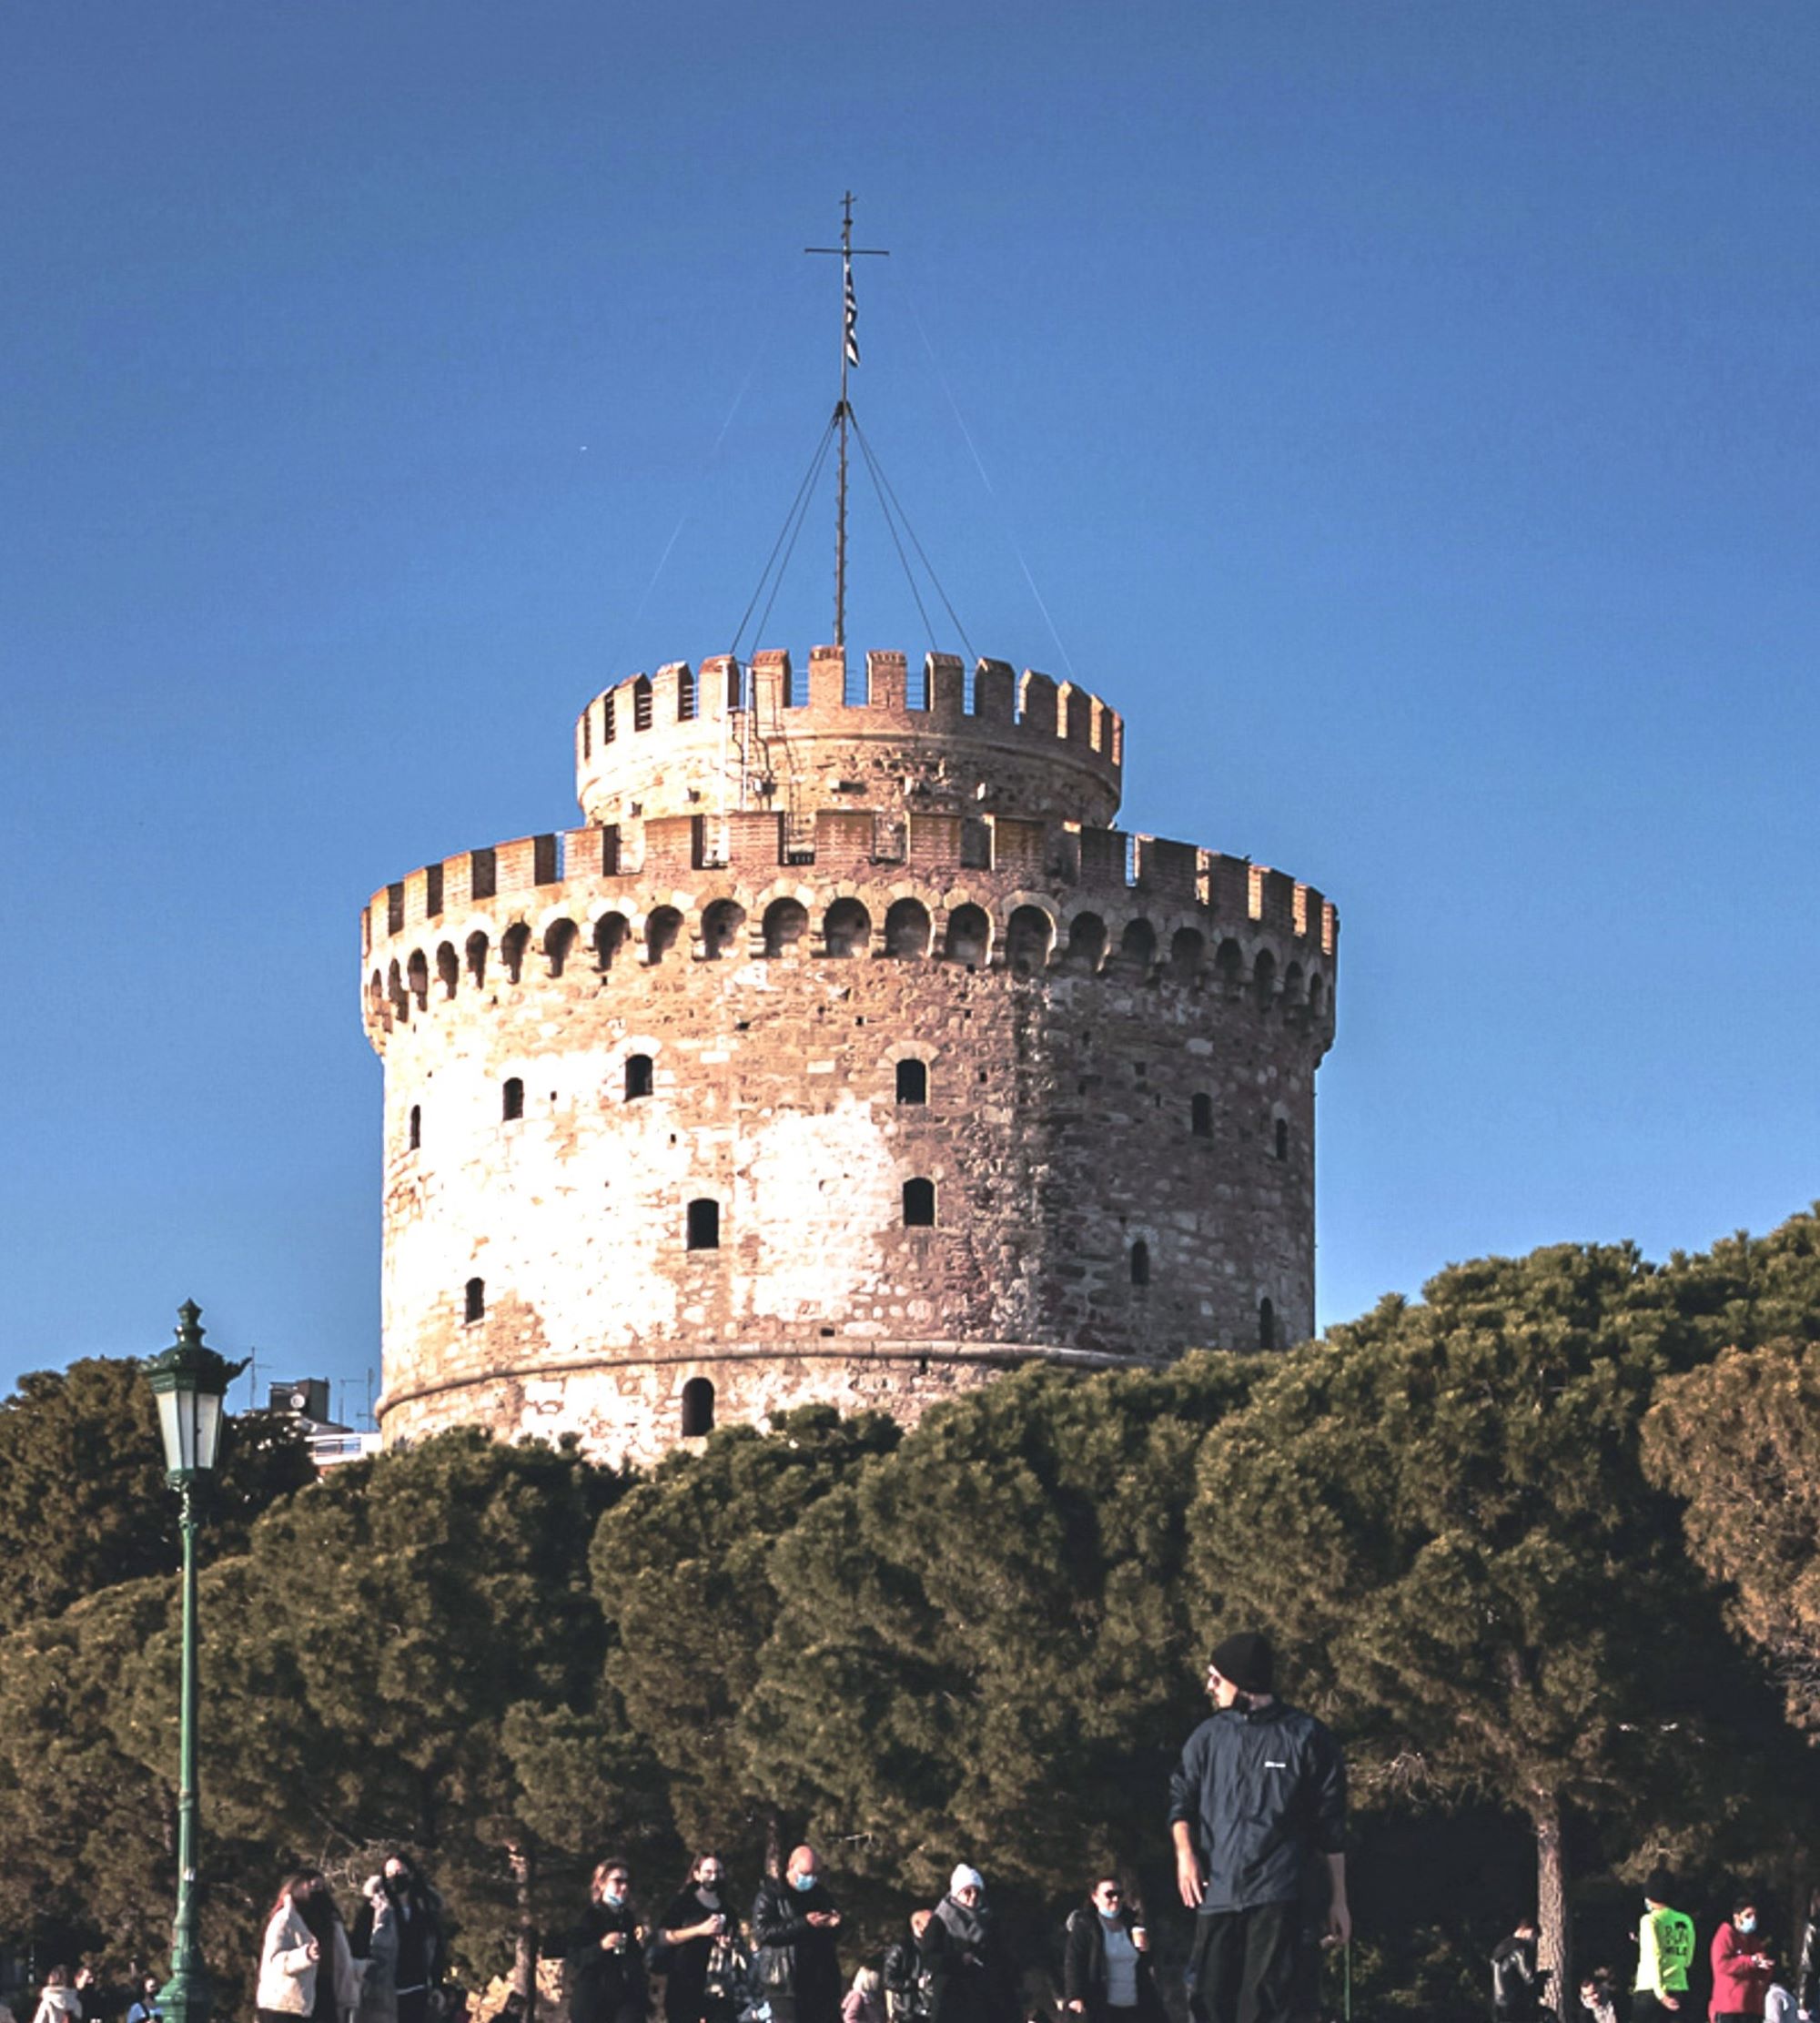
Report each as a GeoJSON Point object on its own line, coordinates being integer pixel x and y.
{"type": "Point", "coordinates": [189, 1382]}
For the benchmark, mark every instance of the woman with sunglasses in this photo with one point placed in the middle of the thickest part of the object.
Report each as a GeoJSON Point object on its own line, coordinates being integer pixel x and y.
{"type": "Point", "coordinates": [1106, 1965]}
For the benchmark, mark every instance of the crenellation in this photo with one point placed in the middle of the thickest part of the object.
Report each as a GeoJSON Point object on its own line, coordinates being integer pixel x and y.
{"type": "Point", "coordinates": [782, 892]}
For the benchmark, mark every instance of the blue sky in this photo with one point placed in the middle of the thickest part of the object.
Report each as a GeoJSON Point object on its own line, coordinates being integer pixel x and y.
{"type": "Point", "coordinates": [1406, 412]}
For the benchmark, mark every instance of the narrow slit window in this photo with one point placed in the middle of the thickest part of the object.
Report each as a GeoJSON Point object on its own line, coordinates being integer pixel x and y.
{"type": "Point", "coordinates": [919, 1203]}
{"type": "Point", "coordinates": [1141, 1263]}
{"type": "Point", "coordinates": [638, 1077]}
{"type": "Point", "coordinates": [1200, 1115]}
{"type": "Point", "coordinates": [474, 1300]}
{"type": "Point", "coordinates": [512, 1099]}
{"type": "Point", "coordinates": [1267, 1325]}
{"type": "Point", "coordinates": [704, 1225]}
{"type": "Point", "coordinates": [1282, 1138]}
{"type": "Point", "coordinates": [415, 1137]}
{"type": "Point", "coordinates": [913, 1082]}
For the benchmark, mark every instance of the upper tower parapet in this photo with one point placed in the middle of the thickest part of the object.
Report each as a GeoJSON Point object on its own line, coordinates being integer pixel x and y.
{"type": "Point", "coordinates": [764, 733]}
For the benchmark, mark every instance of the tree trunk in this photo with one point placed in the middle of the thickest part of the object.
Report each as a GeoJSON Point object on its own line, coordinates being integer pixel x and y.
{"type": "Point", "coordinates": [1553, 1919]}
{"type": "Point", "coordinates": [524, 1949]}
{"type": "Point", "coordinates": [774, 1841]}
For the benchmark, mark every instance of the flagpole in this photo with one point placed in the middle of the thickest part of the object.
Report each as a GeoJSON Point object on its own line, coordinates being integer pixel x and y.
{"type": "Point", "coordinates": [848, 252]}
{"type": "Point", "coordinates": [840, 412]}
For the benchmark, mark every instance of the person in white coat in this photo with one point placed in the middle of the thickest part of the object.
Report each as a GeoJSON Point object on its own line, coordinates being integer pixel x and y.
{"type": "Point", "coordinates": [306, 1968]}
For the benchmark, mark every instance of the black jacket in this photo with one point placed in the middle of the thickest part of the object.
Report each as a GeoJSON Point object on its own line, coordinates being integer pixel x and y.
{"type": "Point", "coordinates": [1262, 1789]}
{"type": "Point", "coordinates": [906, 1982]}
{"type": "Point", "coordinates": [1084, 1965]}
{"type": "Point", "coordinates": [602, 1985]}
{"type": "Point", "coordinates": [806, 1955]}
{"type": "Point", "coordinates": [1515, 1982]}
{"type": "Point", "coordinates": [969, 1979]}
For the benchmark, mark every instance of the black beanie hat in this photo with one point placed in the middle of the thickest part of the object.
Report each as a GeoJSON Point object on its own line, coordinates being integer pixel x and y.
{"type": "Point", "coordinates": [1248, 1660]}
{"type": "Point", "coordinates": [1660, 1887]}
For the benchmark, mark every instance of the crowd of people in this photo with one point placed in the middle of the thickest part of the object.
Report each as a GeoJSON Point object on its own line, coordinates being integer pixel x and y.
{"type": "Point", "coordinates": [1755, 1979]}
{"type": "Point", "coordinates": [1257, 1819]}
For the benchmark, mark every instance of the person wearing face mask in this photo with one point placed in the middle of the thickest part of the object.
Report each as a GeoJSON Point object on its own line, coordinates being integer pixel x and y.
{"type": "Point", "coordinates": [1664, 1954]}
{"type": "Point", "coordinates": [796, 1965]}
{"type": "Point", "coordinates": [1105, 1963]}
{"type": "Point", "coordinates": [375, 1941]}
{"type": "Point", "coordinates": [417, 1914]}
{"type": "Point", "coordinates": [1742, 1968]}
{"type": "Point", "coordinates": [603, 1968]}
{"type": "Point", "coordinates": [306, 1968]}
{"type": "Point", "coordinates": [694, 1929]}
{"type": "Point", "coordinates": [970, 1978]}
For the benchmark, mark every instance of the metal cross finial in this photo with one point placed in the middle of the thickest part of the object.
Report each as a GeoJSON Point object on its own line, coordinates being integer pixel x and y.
{"type": "Point", "coordinates": [848, 253]}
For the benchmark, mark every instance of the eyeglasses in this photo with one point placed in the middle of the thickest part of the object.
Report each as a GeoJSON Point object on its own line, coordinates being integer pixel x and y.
{"type": "Point", "coordinates": [1110, 1896]}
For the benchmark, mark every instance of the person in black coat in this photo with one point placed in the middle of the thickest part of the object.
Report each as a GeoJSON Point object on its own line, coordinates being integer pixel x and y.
{"type": "Point", "coordinates": [696, 1922]}
{"type": "Point", "coordinates": [1105, 1965]}
{"type": "Point", "coordinates": [795, 1964]}
{"type": "Point", "coordinates": [969, 1979]}
{"type": "Point", "coordinates": [422, 1944]}
{"type": "Point", "coordinates": [603, 1967]}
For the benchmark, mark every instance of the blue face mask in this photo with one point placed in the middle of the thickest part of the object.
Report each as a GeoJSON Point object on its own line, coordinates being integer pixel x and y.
{"type": "Point", "coordinates": [1747, 1924]}
{"type": "Point", "coordinates": [802, 1882]}
{"type": "Point", "coordinates": [614, 1897]}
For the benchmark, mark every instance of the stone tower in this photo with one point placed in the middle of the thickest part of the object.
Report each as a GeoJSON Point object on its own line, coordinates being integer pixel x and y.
{"type": "Point", "coordinates": [847, 1053]}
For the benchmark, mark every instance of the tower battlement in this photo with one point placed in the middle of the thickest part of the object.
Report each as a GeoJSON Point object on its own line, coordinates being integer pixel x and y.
{"type": "Point", "coordinates": [767, 732]}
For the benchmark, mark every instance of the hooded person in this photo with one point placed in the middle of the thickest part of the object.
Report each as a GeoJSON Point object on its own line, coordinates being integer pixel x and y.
{"type": "Point", "coordinates": [969, 1979]}
{"type": "Point", "coordinates": [1259, 1795]}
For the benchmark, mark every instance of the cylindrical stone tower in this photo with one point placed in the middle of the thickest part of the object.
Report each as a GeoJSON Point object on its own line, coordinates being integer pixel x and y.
{"type": "Point", "coordinates": [847, 1054]}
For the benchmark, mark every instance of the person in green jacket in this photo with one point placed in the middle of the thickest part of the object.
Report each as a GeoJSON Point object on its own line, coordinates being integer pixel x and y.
{"type": "Point", "coordinates": [1665, 1953]}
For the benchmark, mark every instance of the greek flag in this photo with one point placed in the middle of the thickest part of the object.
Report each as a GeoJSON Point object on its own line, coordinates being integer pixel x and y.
{"type": "Point", "coordinates": [853, 318]}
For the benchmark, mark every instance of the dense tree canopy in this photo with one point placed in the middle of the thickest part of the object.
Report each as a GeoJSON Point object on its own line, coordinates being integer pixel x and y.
{"type": "Point", "coordinates": [982, 1651]}
{"type": "Point", "coordinates": [83, 1501]}
{"type": "Point", "coordinates": [1440, 1511]}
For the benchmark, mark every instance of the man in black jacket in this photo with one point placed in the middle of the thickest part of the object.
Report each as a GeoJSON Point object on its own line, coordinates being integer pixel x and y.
{"type": "Point", "coordinates": [1260, 1788]}
{"type": "Point", "coordinates": [795, 1965]}
{"type": "Point", "coordinates": [1516, 1980]}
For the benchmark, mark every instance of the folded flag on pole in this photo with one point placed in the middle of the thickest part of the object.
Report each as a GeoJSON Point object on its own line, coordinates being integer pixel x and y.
{"type": "Point", "coordinates": [852, 318]}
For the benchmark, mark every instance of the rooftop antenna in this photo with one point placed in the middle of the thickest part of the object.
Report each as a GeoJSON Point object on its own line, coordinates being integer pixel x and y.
{"type": "Point", "coordinates": [848, 252]}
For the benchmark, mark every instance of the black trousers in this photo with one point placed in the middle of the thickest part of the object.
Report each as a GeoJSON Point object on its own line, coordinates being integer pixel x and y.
{"type": "Point", "coordinates": [1645, 2008]}
{"type": "Point", "coordinates": [1243, 1965]}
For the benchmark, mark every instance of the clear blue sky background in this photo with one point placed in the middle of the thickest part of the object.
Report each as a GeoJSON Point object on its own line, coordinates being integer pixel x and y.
{"type": "Point", "coordinates": [1407, 414]}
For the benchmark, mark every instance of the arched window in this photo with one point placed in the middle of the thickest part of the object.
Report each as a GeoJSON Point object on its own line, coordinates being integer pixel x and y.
{"type": "Point", "coordinates": [723, 927]}
{"type": "Point", "coordinates": [1264, 979]}
{"type": "Point", "coordinates": [1086, 941]}
{"type": "Point", "coordinates": [785, 924]}
{"type": "Point", "coordinates": [1267, 1325]}
{"type": "Point", "coordinates": [969, 937]}
{"type": "Point", "coordinates": [1229, 962]}
{"type": "Point", "coordinates": [1317, 993]}
{"type": "Point", "coordinates": [1200, 1115]}
{"type": "Point", "coordinates": [1141, 1263]}
{"type": "Point", "coordinates": [1282, 1138]}
{"type": "Point", "coordinates": [1028, 936]}
{"type": "Point", "coordinates": [847, 928]}
{"type": "Point", "coordinates": [913, 1082]}
{"type": "Point", "coordinates": [559, 938]}
{"type": "Point", "coordinates": [660, 932]}
{"type": "Point", "coordinates": [418, 971]}
{"type": "Point", "coordinates": [1138, 948]}
{"type": "Point", "coordinates": [611, 931]}
{"type": "Point", "coordinates": [638, 1077]}
{"type": "Point", "coordinates": [907, 928]}
{"type": "Point", "coordinates": [474, 1300]}
{"type": "Point", "coordinates": [698, 1408]}
{"type": "Point", "coordinates": [512, 1099]}
{"type": "Point", "coordinates": [477, 957]}
{"type": "Point", "coordinates": [919, 1203]}
{"type": "Point", "coordinates": [704, 1225]}
{"type": "Point", "coordinates": [414, 1133]}
{"type": "Point", "coordinates": [448, 969]}
{"type": "Point", "coordinates": [1187, 951]}
{"type": "Point", "coordinates": [512, 945]}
